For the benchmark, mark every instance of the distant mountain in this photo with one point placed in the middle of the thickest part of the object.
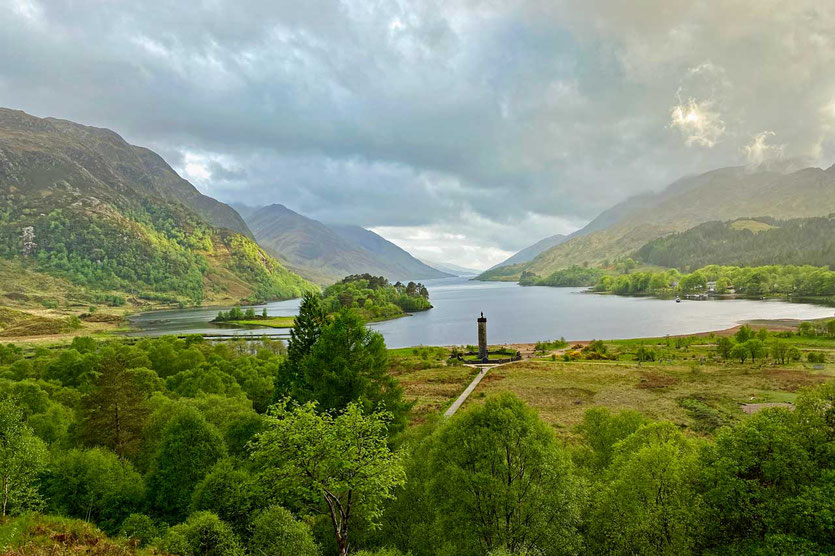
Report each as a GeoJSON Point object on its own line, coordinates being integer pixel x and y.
{"type": "Point", "coordinates": [724, 194]}
{"type": "Point", "coordinates": [80, 203]}
{"type": "Point", "coordinates": [529, 253]}
{"type": "Point", "coordinates": [403, 264]}
{"type": "Point", "coordinates": [327, 253]}
{"type": "Point", "coordinates": [453, 269]}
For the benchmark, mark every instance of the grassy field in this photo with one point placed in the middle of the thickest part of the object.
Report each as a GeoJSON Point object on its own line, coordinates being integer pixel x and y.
{"type": "Point", "coordinates": [688, 384]}
{"type": "Point", "coordinates": [272, 322]}
{"type": "Point", "coordinates": [428, 380]}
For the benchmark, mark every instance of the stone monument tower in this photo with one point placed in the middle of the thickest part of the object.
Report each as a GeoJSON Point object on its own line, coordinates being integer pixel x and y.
{"type": "Point", "coordinates": [482, 337]}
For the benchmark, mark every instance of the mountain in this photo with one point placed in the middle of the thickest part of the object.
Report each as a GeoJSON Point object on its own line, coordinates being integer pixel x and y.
{"type": "Point", "coordinates": [403, 264]}
{"type": "Point", "coordinates": [82, 204]}
{"type": "Point", "coordinates": [327, 253]}
{"type": "Point", "coordinates": [746, 242]}
{"type": "Point", "coordinates": [529, 253]}
{"type": "Point", "coordinates": [723, 194]}
{"type": "Point", "coordinates": [453, 269]}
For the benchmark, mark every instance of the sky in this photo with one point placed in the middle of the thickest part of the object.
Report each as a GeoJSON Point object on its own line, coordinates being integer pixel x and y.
{"type": "Point", "coordinates": [461, 130]}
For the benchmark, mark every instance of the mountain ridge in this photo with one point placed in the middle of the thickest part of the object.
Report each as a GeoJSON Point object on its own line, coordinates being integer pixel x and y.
{"type": "Point", "coordinates": [81, 203]}
{"type": "Point", "coordinates": [529, 253]}
{"type": "Point", "coordinates": [720, 194]}
{"type": "Point", "coordinates": [328, 252]}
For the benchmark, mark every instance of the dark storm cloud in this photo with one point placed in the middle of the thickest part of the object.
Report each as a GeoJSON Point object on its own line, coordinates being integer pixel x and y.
{"type": "Point", "coordinates": [462, 123]}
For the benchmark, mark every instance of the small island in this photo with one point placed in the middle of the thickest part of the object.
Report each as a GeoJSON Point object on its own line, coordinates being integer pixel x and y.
{"type": "Point", "coordinates": [373, 297]}
{"type": "Point", "coordinates": [238, 317]}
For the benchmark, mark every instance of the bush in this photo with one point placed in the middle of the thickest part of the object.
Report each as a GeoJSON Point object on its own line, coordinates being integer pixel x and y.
{"type": "Point", "coordinates": [816, 357]}
{"type": "Point", "coordinates": [276, 532]}
{"type": "Point", "coordinates": [139, 527]}
{"type": "Point", "coordinates": [95, 485]}
{"type": "Point", "coordinates": [202, 534]}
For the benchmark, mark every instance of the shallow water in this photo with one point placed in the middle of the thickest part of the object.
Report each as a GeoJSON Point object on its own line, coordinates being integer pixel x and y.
{"type": "Point", "coordinates": [520, 314]}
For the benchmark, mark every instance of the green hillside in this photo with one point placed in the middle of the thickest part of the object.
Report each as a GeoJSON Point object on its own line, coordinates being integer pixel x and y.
{"type": "Point", "coordinates": [81, 204]}
{"type": "Point", "coordinates": [750, 242]}
{"type": "Point", "coordinates": [724, 194]}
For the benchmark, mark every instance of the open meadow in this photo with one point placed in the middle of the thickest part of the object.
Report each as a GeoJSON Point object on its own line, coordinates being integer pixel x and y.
{"type": "Point", "coordinates": [688, 382]}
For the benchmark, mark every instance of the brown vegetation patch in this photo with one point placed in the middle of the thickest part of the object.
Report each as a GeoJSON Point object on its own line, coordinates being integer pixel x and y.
{"type": "Point", "coordinates": [489, 377]}
{"type": "Point", "coordinates": [50, 536]}
{"type": "Point", "coordinates": [101, 317]}
{"type": "Point", "coordinates": [655, 381]}
{"type": "Point", "coordinates": [792, 380]}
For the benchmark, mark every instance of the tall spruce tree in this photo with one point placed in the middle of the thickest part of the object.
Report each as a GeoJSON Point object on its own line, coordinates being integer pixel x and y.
{"type": "Point", "coordinates": [308, 326]}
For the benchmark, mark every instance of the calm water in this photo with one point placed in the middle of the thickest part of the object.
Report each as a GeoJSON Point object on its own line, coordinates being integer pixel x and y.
{"type": "Point", "coordinates": [517, 314]}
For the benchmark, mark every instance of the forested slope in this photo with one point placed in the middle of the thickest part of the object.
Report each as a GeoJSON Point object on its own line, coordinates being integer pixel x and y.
{"type": "Point", "coordinates": [750, 242]}
{"type": "Point", "coordinates": [82, 204]}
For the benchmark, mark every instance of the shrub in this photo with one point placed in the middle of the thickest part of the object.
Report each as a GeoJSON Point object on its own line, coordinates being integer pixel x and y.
{"type": "Point", "coordinates": [276, 532]}
{"type": "Point", "coordinates": [202, 534]}
{"type": "Point", "coordinates": [139, 527]}
{"type": "Point", "coordinates": [816, 357]}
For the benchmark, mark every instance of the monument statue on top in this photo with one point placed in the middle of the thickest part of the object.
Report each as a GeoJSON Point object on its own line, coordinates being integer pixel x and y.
{"type": "Point", "coordinates": [482, 337]}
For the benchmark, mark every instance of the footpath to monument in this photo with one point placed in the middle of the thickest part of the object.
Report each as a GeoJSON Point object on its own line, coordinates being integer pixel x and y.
{"type": "Point", "coordinates": [469, 390]}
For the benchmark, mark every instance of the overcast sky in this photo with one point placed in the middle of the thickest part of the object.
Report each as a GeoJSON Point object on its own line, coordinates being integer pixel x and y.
{"type": "Point", "coordinates": [462, 130]}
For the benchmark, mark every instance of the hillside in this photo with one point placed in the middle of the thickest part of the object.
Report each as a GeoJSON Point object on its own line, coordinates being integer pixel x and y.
{"type": "Point", "coordinates": [80, 203]}
{"type": "Point", "coordinates": [327, 253]}
{"type": "Point", "coordinates": [403, 264]}
{"type": "Point", "coordinates": [529, 253]}
{"type": "Point", "coordinates": [749, 242]}
{"type": "Point", "coordinates": [724, 194]}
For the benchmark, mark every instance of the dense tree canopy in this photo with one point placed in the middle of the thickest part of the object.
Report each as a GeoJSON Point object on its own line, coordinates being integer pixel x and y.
{"type": "Point", "coordinates": [375, 298]}
{"type": "Point", "coordinates": [213, 470]}
{"type": "Point", "coordinates": [754, 281]}
{"type": "Point", "coordinates": [758, 242]}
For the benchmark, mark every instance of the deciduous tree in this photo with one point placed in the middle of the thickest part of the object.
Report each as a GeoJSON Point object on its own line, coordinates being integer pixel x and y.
{"type": "Point", "coordinates": [501, 480]}
{"type": "Point", "coordinates": [339, 463]}
{"type": "Point", "coordinates": [22, 457]}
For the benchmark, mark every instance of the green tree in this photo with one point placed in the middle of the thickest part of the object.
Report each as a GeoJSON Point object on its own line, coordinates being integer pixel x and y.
{"type": "Point", "coordinates": [22, 457]}
{"type": "Point", "coordinates": [648, 503]}
{"type": "Point", "coordinates": [600, 430]}
{"type": "Point", "coordinates": [203, 534]}
{"type": "Point", "coordinates": [780, 351]}
{"type": "Point", "coordinates": [307, 328]}
{"type": "Point", "coordinates": [276, 532]}
{"type": "Point", "coordinates": [94, 485]}
{"type": "Point", "coordinates": [114, 412]}
{"type": "Point", "coordinates": [349, 363]}
{"type": "Point", "coordinates": [187, 449]}
{"type": "Point", "coordinates": [750, 472]}
{"type": "Point", "coordinates": [695, 282]}
{"type": "Point", "coordinates": [339, 459]}
{"type": "Point", "coordinates": [755, 348]}
{"type": "Point", "coordinates": [724, 345]}
{"type": "Point", "coordinates": [744, 334]}
{"type": "Point", "coordinates": [139, 527]}
{"type": "Point", "coordinates": [501, 480]}
{"type": "Point", "coordinates": [230, 493]}
{"type": "Point", "coordinates": [739, 351]}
